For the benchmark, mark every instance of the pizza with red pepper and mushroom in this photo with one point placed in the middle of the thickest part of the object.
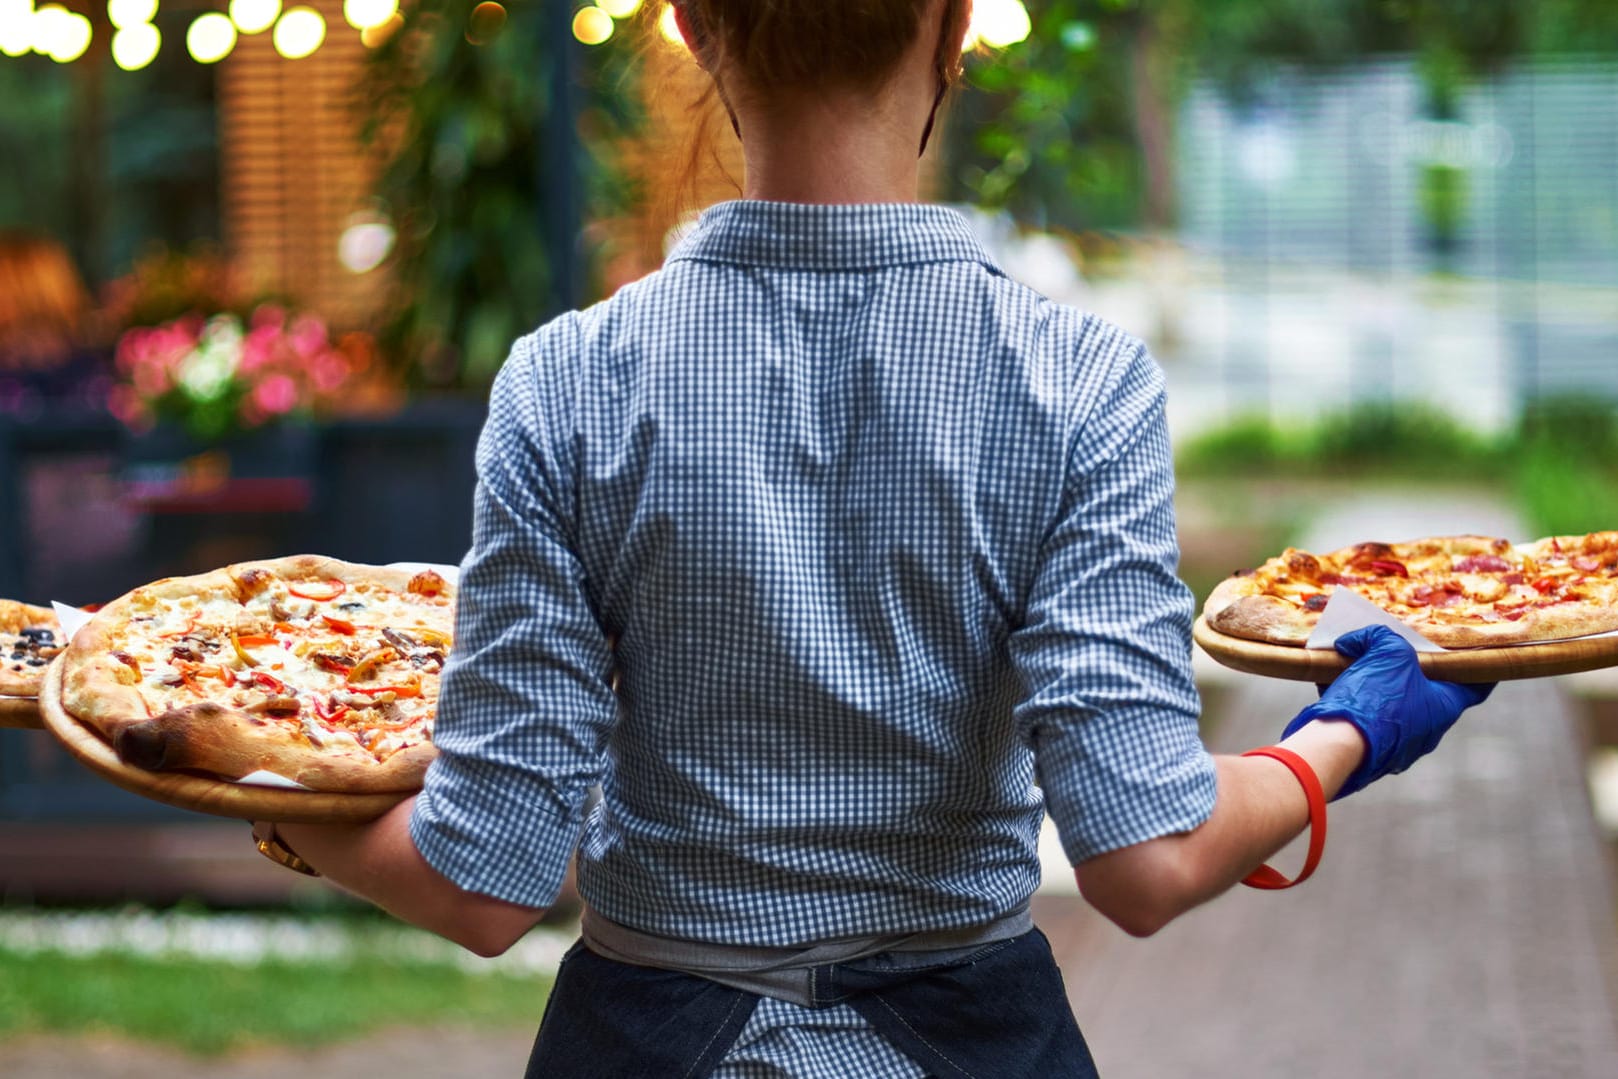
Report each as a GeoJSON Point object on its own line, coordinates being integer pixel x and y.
{"type": "Point", "coordinates": [30, 637]}
{"type": "Point", "coordinates": [1457, 591]}
{"type": "Point", "coordinates": [320, 671]}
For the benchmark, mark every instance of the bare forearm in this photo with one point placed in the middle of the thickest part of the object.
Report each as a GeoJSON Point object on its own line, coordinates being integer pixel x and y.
{"type": "Point", "coordinates": [379, 862]}
{"type": "Point", "coordinates": [1259, 808]}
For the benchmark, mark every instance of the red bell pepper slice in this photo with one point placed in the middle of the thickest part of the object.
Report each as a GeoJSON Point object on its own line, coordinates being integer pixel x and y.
{"type": "Point", "coordinates": [317, 591]}
{"type": "Point", "coordinates": [269, 682]}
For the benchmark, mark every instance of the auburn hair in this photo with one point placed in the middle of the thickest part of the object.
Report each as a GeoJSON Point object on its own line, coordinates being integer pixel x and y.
{"type": "Point", "coordinates": [817, 42]}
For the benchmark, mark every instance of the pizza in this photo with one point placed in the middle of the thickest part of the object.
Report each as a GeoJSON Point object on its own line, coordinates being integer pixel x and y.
{"type": "Point", "coordinates": [1457, 591]}
{"type": "Point", "coordinates": [30, 637]}
{"type": "Point", "coordinates": [320, 671]}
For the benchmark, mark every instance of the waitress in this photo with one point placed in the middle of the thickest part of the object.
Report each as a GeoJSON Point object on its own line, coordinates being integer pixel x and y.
{"type": "Point", "coordinates": [880, 545]}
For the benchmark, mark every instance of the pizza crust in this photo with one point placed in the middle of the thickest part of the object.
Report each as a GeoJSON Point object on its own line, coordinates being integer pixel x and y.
{"type": "Point", "coordinates": [208, 737]}
{"type": "Point", "coordinates": [20, 676]}
{"type": "Point", "coordinates": [104, 686]}
{"type": "Point", "coordinates": [1237, 607]}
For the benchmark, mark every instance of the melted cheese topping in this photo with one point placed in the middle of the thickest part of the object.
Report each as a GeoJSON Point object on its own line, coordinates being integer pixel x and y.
{"type": "Point", "coordinates": [361, 667]}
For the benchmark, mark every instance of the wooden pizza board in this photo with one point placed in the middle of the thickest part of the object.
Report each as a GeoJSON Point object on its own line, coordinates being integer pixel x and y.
{"type": "Point", "coordinates": [1320, 665]}
{"type": "Point", "coordinates": [21, 712]}
{"type": "Point", "coordinates": [243, 801]}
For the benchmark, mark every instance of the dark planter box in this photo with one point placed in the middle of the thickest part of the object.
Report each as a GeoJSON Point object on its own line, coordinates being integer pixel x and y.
{"type": "Point", "coordinates": [85, 516]}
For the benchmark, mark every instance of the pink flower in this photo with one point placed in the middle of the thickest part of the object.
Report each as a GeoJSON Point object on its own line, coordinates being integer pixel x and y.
{"type": "Point", "coordinates": [259, 348]}
{"type": "Point", "coordinates": [308, 336]}
{"type": "Point", "coordinates": [329, 371]}
{"type": "Point", "coordinates": [276, 395]}
{"type": "Point", "coordinates": [152, 375]}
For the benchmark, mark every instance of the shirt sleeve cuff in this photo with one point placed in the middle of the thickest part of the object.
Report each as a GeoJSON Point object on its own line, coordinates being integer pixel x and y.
{"type": "Point", "coordinates": [1097, 808]}
{"type": "Point", "coordinates": [494, 832]}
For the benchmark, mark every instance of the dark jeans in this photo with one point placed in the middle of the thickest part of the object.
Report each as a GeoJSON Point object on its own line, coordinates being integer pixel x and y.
{"type": "Point", "coordinates": [1000, 1014]}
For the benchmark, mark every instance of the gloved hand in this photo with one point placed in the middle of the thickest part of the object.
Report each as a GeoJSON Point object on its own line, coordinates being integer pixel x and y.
{"type": "Point", "coordinates": [1399, 710]}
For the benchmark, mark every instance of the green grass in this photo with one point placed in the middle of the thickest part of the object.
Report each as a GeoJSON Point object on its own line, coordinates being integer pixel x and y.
{"type": "Point", "coordinates": [213, 1007]}
{"type": "Point", "coordinates": [1559, 466]}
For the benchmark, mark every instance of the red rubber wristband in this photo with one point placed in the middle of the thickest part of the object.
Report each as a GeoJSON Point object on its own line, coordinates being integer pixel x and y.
{"type": "Point", "coordinates": [1270, 879]}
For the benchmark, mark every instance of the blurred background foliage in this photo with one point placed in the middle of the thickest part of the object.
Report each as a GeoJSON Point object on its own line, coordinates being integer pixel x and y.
{"type": "Point", "coordinates": [1074, 128]}
{"type": "Point", "coordinates": [1560, 461]}
{"type": "Point", "coordinates": [465, 109]}
{"type": "Point", "coordinates": [1072, 131]}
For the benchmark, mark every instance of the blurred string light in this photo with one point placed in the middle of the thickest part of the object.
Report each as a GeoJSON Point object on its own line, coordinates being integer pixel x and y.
{"type": "Point", "coordinates": [592, 25]}
{"type": "Point", "coordinates": [998, 24]}
{"type": "Point", "coordinates": [485, 23]}
{"type": "Point", "coordinates": [367, 241]}
{"type": "Point", "coordinates": [211, 37]}
{"type": "Point", "coordinates": [299, 32]}
{"type": "Point", "coordinates": [254, 16]}
{"type": "Point", "coordinates": [619, 9]}
{"type": "Point", "coordinates": [61, 34]}
{"type": "Point", "coordinates": [365, 14]}
{"type": "Point", "coordinates": [16, 27]}
{"type": "Point", "coordinates": [136, 45]}
{"type": "Point", "coordinates": [375, 36]}
{"type": "Point", "coordinates": [669, 26]}
{"type": "Point", "coordinates": [126, 13]}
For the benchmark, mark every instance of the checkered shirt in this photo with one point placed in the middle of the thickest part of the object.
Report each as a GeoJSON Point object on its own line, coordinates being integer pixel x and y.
{"type": "Point", "coordinates": [880, 547]}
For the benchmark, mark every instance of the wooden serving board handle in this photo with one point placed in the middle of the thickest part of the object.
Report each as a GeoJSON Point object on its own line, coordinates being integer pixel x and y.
{"type": "Point", "coordinates": [21, 713]}
{"type": "Point", "coordinates": [1456, 665]}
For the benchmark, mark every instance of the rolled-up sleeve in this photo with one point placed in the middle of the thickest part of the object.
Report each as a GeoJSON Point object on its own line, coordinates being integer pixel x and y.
{"type": "Point", "coordinates": [525, 707]}
{"type": "Point", "coordinates": [1109, 704]}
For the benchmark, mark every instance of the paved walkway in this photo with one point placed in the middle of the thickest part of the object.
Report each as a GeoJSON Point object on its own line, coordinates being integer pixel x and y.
{"type": "Point", "coordinates": [1463, 923]}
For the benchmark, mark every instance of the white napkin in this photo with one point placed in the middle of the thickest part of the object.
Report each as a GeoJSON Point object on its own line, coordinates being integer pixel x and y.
{"type": "Point", "coordinates": [262, 778]}
{"type": "Point", "coordinates": [1348, 610]}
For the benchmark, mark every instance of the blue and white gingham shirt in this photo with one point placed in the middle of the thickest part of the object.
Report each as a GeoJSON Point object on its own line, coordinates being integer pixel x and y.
{"type": "Point", "coordinates": [882, 538]}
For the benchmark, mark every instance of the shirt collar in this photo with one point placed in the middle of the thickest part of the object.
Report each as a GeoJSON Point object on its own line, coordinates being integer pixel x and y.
{"type": "Point", "coordinates": [803, 236]}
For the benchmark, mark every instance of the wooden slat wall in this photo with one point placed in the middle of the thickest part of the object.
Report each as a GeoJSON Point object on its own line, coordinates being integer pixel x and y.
{"type": "Point", "coordinates": [292, 170]}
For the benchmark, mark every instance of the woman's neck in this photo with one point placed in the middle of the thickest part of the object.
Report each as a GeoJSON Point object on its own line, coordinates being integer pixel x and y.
{"type": "Point", "coordinates": [821, 151]}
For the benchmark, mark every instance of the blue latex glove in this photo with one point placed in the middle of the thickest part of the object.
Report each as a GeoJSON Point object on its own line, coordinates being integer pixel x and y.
{"type": "Point", "coordinates": [1401, 712]}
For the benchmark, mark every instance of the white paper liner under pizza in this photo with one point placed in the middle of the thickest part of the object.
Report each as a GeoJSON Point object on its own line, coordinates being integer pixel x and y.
{"type": "Point", "coordinates": [220, 691]}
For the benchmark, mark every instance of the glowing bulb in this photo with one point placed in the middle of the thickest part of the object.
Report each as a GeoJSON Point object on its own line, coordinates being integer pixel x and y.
{"type": "Point", "coordinates": [375, 36]}
{"type": "Point", "coordinates": [619, 9]}
{"type": "Point", "coordinates": [669, 26]}
{"type": "Point", "coordinates": [364, 14]}
{"type": "Point", "coordinates": [254, 16]}
{"type": "Point", "coordinates": [16, 27]}
{"type": "Point", "coordinates": [70, 37]}
{"type": "Point", "coordinates": [300, 32]}
{"type": "Point", "coordinates": [365, 244]}
{"type": "Point", "coordinates": [126, 13]}
{"type": "Point", "coordinates": [43, 27]}
{"type": "Point", "coordinates": [592, 25]}
{"type": "Point", "coordinates": [210, 38]}
{"type": "Point", "coordinates": [999, 23]}
{"type": "Point", "coordinates": [136, 45]}
{"type": "Point", "coordinates": [485, 23]}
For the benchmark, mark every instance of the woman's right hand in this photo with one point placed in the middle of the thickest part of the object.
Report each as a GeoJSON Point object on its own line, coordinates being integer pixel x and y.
{"type": "Point", "coordinates": [1398, 710]}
